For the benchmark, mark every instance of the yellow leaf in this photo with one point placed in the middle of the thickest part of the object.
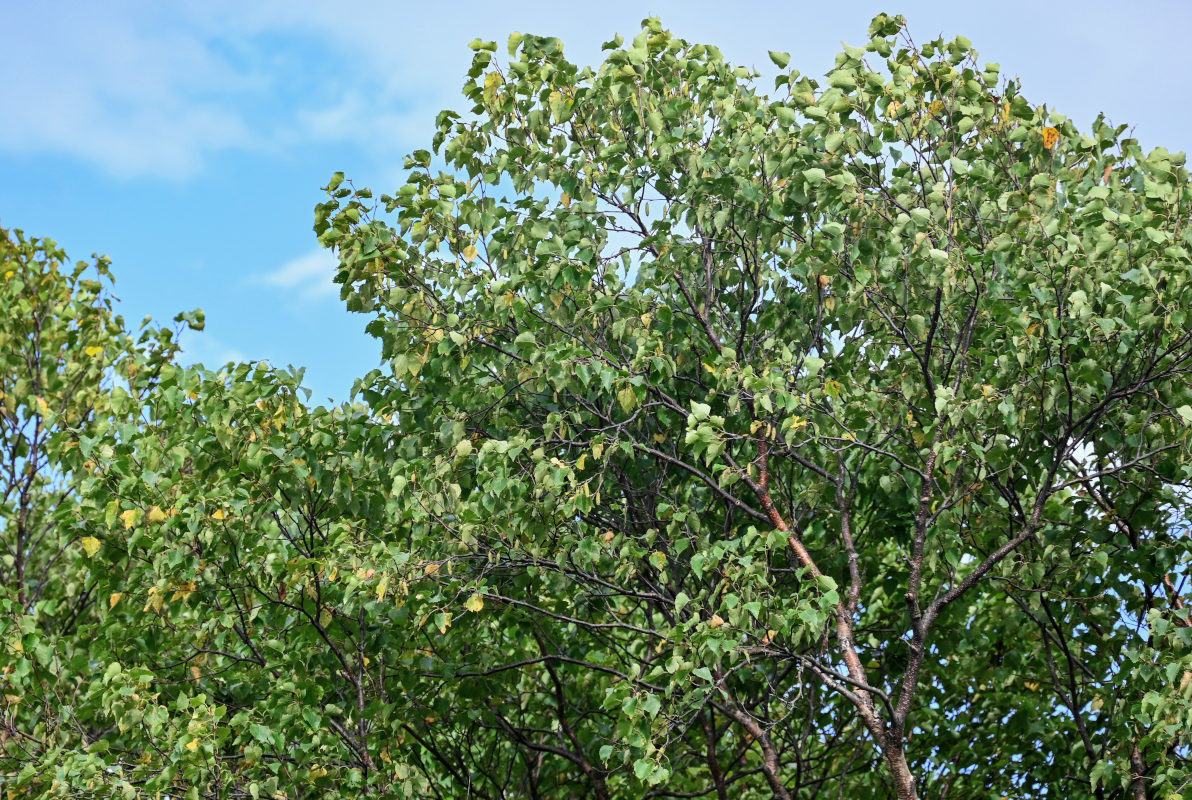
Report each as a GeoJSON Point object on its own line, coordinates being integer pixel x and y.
{"type": "Point", "coordinates": [93, 350]}
{"type": "Point", "coordinates": [935, 107]}
{"type": "Point", "coordinates": [892, 109]}
{"type": "Point", "coordinates": [114, 598]}
{"type": "Point", "coordinates": [660, 438]}
{"type": "Point", "coordinates": [129, 517]}
{"type": "Point", "coordinates": [12, 699]}
{"type": "Point", "coordinates": [565, 200]}
{"type": "Point", "coordinates": [446, 623]}
{"type": "Point", "coordinates": [195, 673]}
{"type": "Point", "coordinates": [1050, 137]}
{"type": "Point", "coordinates": [193, 744]}
{"type": "Point", "coordinates": [658, 559]}
{"type": "Point", "coordinates": [90, 545]}
{"type": "Point", "coordinates": [579, 465]}
{"type": "Point", "coordinates": [715, 622]}
{"type": "Point", "coordinates": [43, 406]}
{"type": "Point", "coordinates": [219, 514]}
{"type": "Point", "coordinates": [382, 587]}
{"type": "Point", "coordinates": [470, 252]}
{"type": "Point", "coordinates": [627, 398]}
{"type": "Point", "coordinates": [155, 600]}
{"type": "Point", "coordinates": [430, 569]}
{"type": "Point", "coordinates": [156, 514]}
{"type": "Point", "coordinates": [183, 591]}
{"type": "Point", "coordinates": [475, 603]}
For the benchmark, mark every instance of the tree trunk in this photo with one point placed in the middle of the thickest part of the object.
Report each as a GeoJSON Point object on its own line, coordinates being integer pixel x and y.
{"type": "Point", "coordinates": [900, 772]}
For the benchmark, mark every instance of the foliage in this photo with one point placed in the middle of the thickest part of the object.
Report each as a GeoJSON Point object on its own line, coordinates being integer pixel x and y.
{"type": "Point", "coordinates": [725, 444]}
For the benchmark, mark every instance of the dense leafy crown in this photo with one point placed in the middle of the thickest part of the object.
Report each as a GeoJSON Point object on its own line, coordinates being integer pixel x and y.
{"type": "Point", "coordinates": [832, 443]}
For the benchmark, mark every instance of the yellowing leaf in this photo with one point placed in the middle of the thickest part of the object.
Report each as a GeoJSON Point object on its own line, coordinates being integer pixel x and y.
{"type": "Point", "coordinates": [43, 406]}
{"type": "Point", "coordinates": [382, 587]}
{"type": "Point", "coordinates": [658, 559]}
{"type": "Point", "coordinates": [1050, 137]}
{"type": "Point", "coordinates": [114, 598]}
{"type": "Point", "coordinates": [155, 600]}
{"type": "Point", "coordinates": [430, 569]}
{"type": "Point", "coordinates": [193, 744]}
{"type": "Point", "coordinates": [716, 622]}
{"type": "Point", "coordinates": [660, 438]}
{"type": "Point", "coordinates": [129, 518]}
{"type": "Point", "coordinates": [195, 673]}
{"type": "Point", "coordinates": [93, 350]}
{"type": "Point", "coordinates": [627, 398]}
{"type": "Point", "coordinates": [565, 200]}
{"type": "Point", "coordinates": [475, 603]}
{"type": "Point", "coordinates": [470, 252]}
{"type": "Point", "coordinates": [219, 514]}
{"type": "Point", "coordinates": [90, 545]}
{"type": "Point", "coordinates": [446, 622]}
{"type": "Point", "coordinates": [183, 591]}
{"type": "Point", "coordinates": [157, 515]}
{"type": "Point", "coordinates": [935, 107]}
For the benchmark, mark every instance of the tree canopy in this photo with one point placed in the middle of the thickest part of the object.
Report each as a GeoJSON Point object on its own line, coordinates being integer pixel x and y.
{"type": "Point", "coordinates": [830, 443]}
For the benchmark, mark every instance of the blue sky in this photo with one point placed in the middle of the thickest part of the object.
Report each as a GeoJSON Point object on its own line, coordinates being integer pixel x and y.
{"type": "Point", "coordinates": [188, 141]}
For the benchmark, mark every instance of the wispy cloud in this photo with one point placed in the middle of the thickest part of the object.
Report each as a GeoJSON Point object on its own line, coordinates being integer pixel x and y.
{"type": "Point", "coordinates": [307, 277]}
{"type": "Point", "coordinates": [156, 89]}
{"type": "Point", "coordinates": [131, 92]}
{"type": "Point", "coordinates": [200, 347]}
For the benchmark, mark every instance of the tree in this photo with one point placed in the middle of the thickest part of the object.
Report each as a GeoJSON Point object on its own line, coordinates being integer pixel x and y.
{"type": "Point", "coordinates": [829, 444]}
{"type": "Point", "coordinates": [874, 395]}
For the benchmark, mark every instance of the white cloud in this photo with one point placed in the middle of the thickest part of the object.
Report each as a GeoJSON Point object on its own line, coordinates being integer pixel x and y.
{"type": "Point", "coordinates": [126, 90]}
{"type": "Point", "coordinates": [200, 347]}
{"type": "Point", "coordinates": [308, 277]}
{"type": "Point", "coordinates": [140, 88]}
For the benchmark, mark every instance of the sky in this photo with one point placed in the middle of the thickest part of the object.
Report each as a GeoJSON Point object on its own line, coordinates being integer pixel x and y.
{"type": "Point", "coordinates": [189, 141]}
